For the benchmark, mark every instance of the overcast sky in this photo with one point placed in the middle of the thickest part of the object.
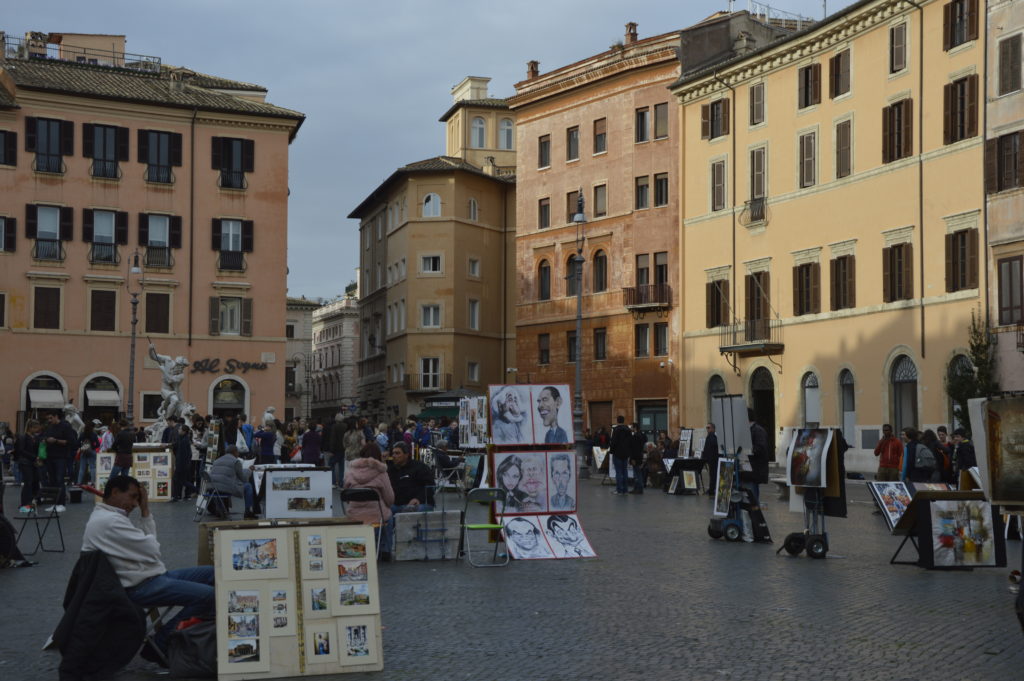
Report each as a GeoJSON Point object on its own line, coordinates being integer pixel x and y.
{"type": "Point", "coordinates": [372, 78]}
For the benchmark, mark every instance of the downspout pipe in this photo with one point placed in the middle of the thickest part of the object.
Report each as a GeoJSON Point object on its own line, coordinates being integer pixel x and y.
{"type": "Point", "coordinates": [920, 163]}
{"type": "Point", "coordinates": [732, 165]}
{"type": "Point", "coordinates": [191, 220]}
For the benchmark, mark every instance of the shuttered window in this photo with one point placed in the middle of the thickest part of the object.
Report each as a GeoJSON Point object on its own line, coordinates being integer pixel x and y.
{"type": "Point", "coordinates": [962, 260]}
{"type": "Point", "coordinates": [572, 200]}
{"type": "Point", "coordinates": [106, 145]}
{"type": "Point", "coordinates": [714, 119]}
{"type": "Point", "coordinates": [718, 185]}
{"type": "Point", "coordinates": [898, 130]}
{"type": "Point", "coordinates": [8, 148]}
{"type": "Point", "coordinates": [897, 272]}
{"type": "Point", "coordinates": [839, 74]}
{"type": "Point", "coordinates": [716, 295]}
{"type": "Point", "coordinates": [897, 48]}
{"type": "Point", "coordinates": [46, 307]}
{"type": "Point", "coordinates": [757, 173]}
{"type": "Point", "coordinates": [8, 234]}
{"type": "Point", "coordinates": [1010, 64]}
{"type": "Point", "coordinates": [1011, 290]}
{"type": "Point", "coordinates": [233, 157]}
{"type": "Point", "coordinates": [808, 86]}
{"type": "Point", "coordinates": [808, 159]}
{"type": "Point", "coordinates": [231, 316]}
{"type": "Point", "coordinates": [959, 23]}
{"type": "Point", "coordinates": [843, 283]}
{"type": "Point", "coordinates": [102, 309]}
{"type": "Point", "coordinates": [960, 109]}
{"type": "Point", "coordinates": [757, 104]}
{"type": "Point", "coordinates": [51, 140]}
{"type": "Point", "coordinates": [1004, 162]}
{"type": "Point", "coordinates": [844, 148]}
{"type": "Point", "coordinates": [160, 151]}
{"type": "Point", "coordinates": [158, 313]}
{"type": "Point", "coordinates": [600, 135]}
{"type": "Point", "coordinates": [806, 289]}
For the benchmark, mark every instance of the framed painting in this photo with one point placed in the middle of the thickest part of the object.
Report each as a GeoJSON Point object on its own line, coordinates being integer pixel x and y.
{"type": "Point", "coordinates": [806, 463]}
{"type": "Point", "coordinates": [893, 498]}
{"type": "Point", "coordinates": [281, 601]}
{"type": "Point", "coordinates": [673, 485]}
{"type": "Point", "coordinates": [353, 576]}
{"type": "Point", "coordinates": [690, 480]}
{"type": "Point", "coordinates": [963, 534]}
{"type": "Point", "coordinates": [258, 553]}
{"type": "Point", "coordinates": [242, 622]}
{"type": "Point", "coordinates": [723, 488]}
{"type": "Point", "coordinates": [1005, 451]}
{"type": "Point", "coordinates": [358, 643]}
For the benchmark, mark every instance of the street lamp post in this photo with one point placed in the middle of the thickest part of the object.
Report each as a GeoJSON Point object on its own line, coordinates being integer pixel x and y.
{"type": "Point", "coordinates": [135, 269]}
{"type": "Point", "coordinates": [577, 405]}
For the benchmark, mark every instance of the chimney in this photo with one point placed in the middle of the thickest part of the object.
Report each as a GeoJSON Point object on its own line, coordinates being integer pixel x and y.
{"type": "Point", "coordinates": [631, 33]}
{"type": "Point", "coordinates": [532, 69]}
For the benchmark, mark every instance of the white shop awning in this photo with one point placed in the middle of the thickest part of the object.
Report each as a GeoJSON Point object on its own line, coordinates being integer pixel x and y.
{"type": "Point", "coordinates": [103, 398]}
{"type": "Point", "coordinates": [46, 399]}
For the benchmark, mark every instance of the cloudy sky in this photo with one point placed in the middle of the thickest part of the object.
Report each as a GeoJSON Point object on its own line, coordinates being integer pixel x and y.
{"type": "Point", "coordinates": [371, 77]}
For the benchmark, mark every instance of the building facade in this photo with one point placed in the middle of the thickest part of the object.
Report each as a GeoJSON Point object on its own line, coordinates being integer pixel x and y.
{"type": "Point", "coordinates": [832, 218]}
{"type": "Point", "coordinates": [139, 183]}
{"type": "Point", "coordinates": [298, 331]}
{"type": "Point", "coordinates": [335, 354]}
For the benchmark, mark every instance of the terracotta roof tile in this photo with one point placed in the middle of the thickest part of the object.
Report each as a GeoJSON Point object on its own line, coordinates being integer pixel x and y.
{"type": "Point", "coordinates": [489, 103]}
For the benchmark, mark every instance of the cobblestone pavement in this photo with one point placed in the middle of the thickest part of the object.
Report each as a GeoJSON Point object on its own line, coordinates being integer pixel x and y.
{"type": "Point", "coordinates": [663, 601]}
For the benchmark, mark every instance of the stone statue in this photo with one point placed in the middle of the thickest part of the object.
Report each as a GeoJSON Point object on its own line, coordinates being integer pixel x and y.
{"type": "Point", "coordinates": [173, 404]}
{"type": "Point", "coordinates": [74, 417]}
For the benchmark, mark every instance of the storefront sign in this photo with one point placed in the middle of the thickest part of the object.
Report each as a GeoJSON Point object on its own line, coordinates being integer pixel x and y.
{"type": "Point", "coordinates": [211, 366]}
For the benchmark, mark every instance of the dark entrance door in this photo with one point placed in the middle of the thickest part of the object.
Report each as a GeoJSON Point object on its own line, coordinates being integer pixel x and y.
{"type": "Point", "coordinates": [652, 415]}
{"type": "Point", "coordinates": [762, 393]}
{"type": "Point", "coordinates": [600, 416]}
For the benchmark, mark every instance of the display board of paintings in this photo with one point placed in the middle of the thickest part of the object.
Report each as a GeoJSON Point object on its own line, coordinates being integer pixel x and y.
{"type": "Point", "coordinates": [473, 422]}
{"type": "Point", "coordinates": [685, 443]}
{"type": "Point", "coordinates": [302, 493]}
{"type": "Point", "coordinates": [806, 465]}
{"type": "Point", "coordinates": [264, 602]}
{"type": "Point", "coordinates": [152, 466]}
{"type": "Point", "coordinates": [1004, 463]}
{"type": "Point", "coordinates": [530, 414]}
{"type": "Point", "coordinates": [893, 498]}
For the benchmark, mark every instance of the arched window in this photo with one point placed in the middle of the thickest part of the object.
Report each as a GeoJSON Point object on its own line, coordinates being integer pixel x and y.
{"type": "Point", "coordinates": [716, 386]}
{"type": "Point", "coordinates": [45, 392]}
{"type": "Point", "coordinates": [959, 384]}
{"type": "Point", "coordinates": [903, 379]}
{"type": "Point", "coordinates": [228, 398]}
{"type": "Point", "coordinates": [478, 133]}
{"type": "Point", "coordinates": [431, 206]}
{"type": "Point", "coordinates": [847, 404]}
{"type": "Point", "coordinates": [812, 400]}
{"type": "Point", "coordinates": [600, 272]}
{"type": "Point", "coordinates": [472, 210]}
{"type": "Point", "coordinates": [544, 281]}
{"type": "Point", "coordinates": [570, 275]}
{"type": "Point", "coordinates": [505, 134]}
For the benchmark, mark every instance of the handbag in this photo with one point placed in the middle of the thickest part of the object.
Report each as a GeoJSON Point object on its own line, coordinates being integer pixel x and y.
{"type": "Point", "coordinates": [296, 454]}
{"type": "Point", "coordinates": [41, 452]}
{"type": "Point", "coordinates": [240, 445]}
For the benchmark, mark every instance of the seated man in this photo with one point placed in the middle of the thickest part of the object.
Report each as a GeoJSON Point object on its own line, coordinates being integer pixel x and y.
{"type": "Point", "coordinates": [412, 481]}
{"type": "Point", "coordinates": [229, 476]}
{"type": "Point", "coordinates": [447, 466]}
{"type": "Point", "coordinates": [134, 553]}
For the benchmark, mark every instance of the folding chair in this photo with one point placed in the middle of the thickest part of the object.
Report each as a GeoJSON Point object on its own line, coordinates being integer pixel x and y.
{"type": "Point", "coordinates": [47, 495]}
{"type": "Point", "coordinates": [483, 495]}
{"type": "Point", "coordinates": [208, 495]}
{"type": "Point", "coordinates": [366, 494]}
{"type": "Point", "coordinates": [156, 619]}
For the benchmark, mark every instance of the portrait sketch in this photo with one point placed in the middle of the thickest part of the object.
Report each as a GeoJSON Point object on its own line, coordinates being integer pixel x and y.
{"type": "Point", "coordinates": [511, 414]}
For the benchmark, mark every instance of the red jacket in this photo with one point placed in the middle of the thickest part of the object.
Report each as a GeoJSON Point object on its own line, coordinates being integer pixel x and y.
{"type": "Point", "coordinates": [890, 451]}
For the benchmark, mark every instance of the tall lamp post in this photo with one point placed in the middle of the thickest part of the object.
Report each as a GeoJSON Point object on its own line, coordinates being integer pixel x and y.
{"type": "Point", "coordinates": [135, 269]}
{"type": "Point", "coordinates": [577, 405]}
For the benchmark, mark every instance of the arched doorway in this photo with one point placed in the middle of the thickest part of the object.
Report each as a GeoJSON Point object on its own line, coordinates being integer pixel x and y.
{"type": "Point", "coordinates": [102, 400]}
{"type": "Point", "coordinates": [43, 392]}
{"type": "Point", "coordinates": [716, 387]}
{"type": "Point", "coordinates": [903, 379]}
{"type": "Point", "coordinates": [812, 400]}
{"type": "Point", "coordinates": [960, 371]}
{"type": "Point", "coordinates": [228, 398]}
{"type": "Point", "coordinates": [762, 399]}
{"type": "Point", "coordinates": [847, 404]}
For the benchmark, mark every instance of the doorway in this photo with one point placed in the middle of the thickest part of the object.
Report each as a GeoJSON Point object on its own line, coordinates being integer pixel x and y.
{"type": "Point", "coordinates": [652, 415]}
{"type": "Point", "coordinates": [762, 398]}
{"type": "Point", "coordinates": [600, 416]}
{"type": "Point", "coordinates": [848, 400]}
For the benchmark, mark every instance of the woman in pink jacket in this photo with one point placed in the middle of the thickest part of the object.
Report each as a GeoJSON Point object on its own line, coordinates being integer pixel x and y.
{"type": "Point", "coordinates": [369, 471]}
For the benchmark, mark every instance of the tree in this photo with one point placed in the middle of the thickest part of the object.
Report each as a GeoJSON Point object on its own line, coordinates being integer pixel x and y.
{"type": "Point", "coordinates": [978, 378]}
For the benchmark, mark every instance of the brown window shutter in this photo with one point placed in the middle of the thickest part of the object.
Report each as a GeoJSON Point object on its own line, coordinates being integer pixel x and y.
{"type": "Point", "coordinates": [816, 288]}
{"type": "Point", "coordinates": [833, 75]}
{"type": "Point", "coordinates": [31, 220]}
{"type": "Point", "coordinates": [67, 138]}
{"type": "Point", "coordinates": [247, 236]}
{"type": "Point", "coordinates": [142, 143]}
{"type": "Point", "coordinates": [947, 25]}
{"type": "Point", "coordinates": [143, 229]}
{"type": "Point", "coordinates": [175, 231]}
{"type": "Point", "coordinates": [972, 258]}
{"type": "Point", "coordinates": [122, 144]}
{"type": "Point", "coordinates": [797, 307]}
{"type": "Point", "coordinates": [908, 271]}
{"type": "Point", "coordinates": [833, 280]}
{"type": "Point", "coordinates": [886, 134]}
{"type": "Point", "coordinates": [88, 137]}
{"type": "Point", "coordinates": [175, 149]}
{"type": "Point", "coordinates": [30, 133]}
{"type": "Point", "coordinates": [11, 148]}
{"type": "Point", "coordinates": [248, 156]}
{"type": "Point", "coordinates": [748, 302]}
{"type": "Point", "coordinates": [815, 83]}
{"type": "Point", "coordinates": [723, 287]}
{"type": "Point", "coordinates": [972, 19]}
{"type": "Point", "coordinates": [87, 223]}
{"type": "Point", "coordinates": [991, 166]}
{"type": "Point", "coordinates": [214, 316]}
{"type": "Point", "coordinates": [710, 303]}
{"type": "Point", "coordinates": [950, 262]}
{"type": "Point", "coordinates": [246, 317]}
{"type": "Point", "coordinates": [67, 222]}
{"type": "Point", "coordinates": [851, 281]}
{"type": "Point", "coordinates": [801, 87]}
{"type": "Point", "coordinates": [215, 152]}
{"type": "Point", "coordinates": [725, 116]}
{"type": "Point", "coordinates": [705, 122]}
{"type": "Point", "coordinates": [972, 106]}
{"type": "Point", "coordinates": [948, 104]}
{"type": "Point", "coordinates": [844, 72]}
{"type": "Point", "coordinates": [887, 275]}
{"type": "Point", "coordinates": [1020, 158]}
{"type": "Point", "coordinates": [908, 128]}
{"type": "Point", "coordinates": [121, 227]}
{"type": "Point", "coordinates": [765, 292]}
{"type": "Point", "coordinates": [216, 234]}
{"type": "Point", "coordinates": [10, 238]}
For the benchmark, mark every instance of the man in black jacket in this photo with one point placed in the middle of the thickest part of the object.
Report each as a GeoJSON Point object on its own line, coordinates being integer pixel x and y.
{"type": "Point", "coordinates": [637, 440]}
{"type": "Point", "coordinates": [758, 458]}
{"type": "Point", "coordinates": [710, 456]}
{"type": "Point", "coordinates": [620, 446]}
{"type": "Point", "coordinates": [61, 443]}
{"type": "Point", "coordinates": [411, 480]}
{"type": "Point", "coordinates": [964, 456]}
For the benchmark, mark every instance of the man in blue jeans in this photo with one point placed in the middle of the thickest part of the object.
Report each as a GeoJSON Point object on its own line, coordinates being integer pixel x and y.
{"type": "Point", "coordinates": [134, 553]}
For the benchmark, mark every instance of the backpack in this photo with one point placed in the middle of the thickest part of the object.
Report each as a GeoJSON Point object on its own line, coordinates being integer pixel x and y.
{"type": "Point", "coordinates": [924, 459]}
{"type": "Point", "coordinates": [382, 441]}
{"type": "Point", "coordinates": [943, 468]}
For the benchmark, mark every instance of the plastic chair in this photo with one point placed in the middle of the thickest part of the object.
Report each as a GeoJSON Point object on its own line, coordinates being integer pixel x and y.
{"type": "Point", "coordinates": [208, 495]}
{"type": "Point", "coordinates": [483, 495]}
{"type": "Point", "coordinates": [366, 494]}
{"type": "Point", "coordinates": [47, 495]}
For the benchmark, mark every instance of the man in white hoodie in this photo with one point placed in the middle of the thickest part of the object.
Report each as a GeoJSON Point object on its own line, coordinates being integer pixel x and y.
{"type": "Point", "coordinates": [134, 553]}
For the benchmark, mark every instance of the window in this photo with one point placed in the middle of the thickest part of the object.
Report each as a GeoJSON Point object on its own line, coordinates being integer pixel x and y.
{"type": "Point", "coordinates": [661, 121]}
{"type": "Point", "coordinates": [1011, 290]}
{"type": "Point", "coordinates": [808, 86]}
{"type": "Point", "coordinates": [473, 372]}
{"type": "Point", "coordinates": [544, 281]}
{"type": "Point", "coordinates": [8, 235]}
{"type": "Point", "coordinates": [806, 289]}
{"type": "Point", "coordinates": [843, 282]}
{"type": "Point", "coordinates": [714, 119]}
{"type": "Point", "coordinates": [718, 185]}
{"type": "Point", "coordinates": [160, 151]}
{"type": "Point", "coordinates": [661, 189]}
{"type": "Point", "coordinates": [959, 23]}
{"type": "Point", "coordinates": [473, 212]}
{"type": "Point", "coordinates": [1009, 64]}
{"type": "Point", "coordinates": [600, 200]}
{"type": "Point", "coordinates": [897, 48]}
{"type": "Point", "coordinates": [231, 235]}
{"type": "Point", "coordinates": [960, 107]}
{"type": "Point", "coordinates": [641, 124]}
{"type": "Point", "coordinates": [46, 307]}
{"type": "Point", "coordinates": [600, 272]}
{"type": "Point", "coordinates": [757, 183]}
{"type": "Point", "coordinates": [808, 157]}
{"type": "Point", "coordinates": [544, 151]}
{"type": "Point", "coordinates": [758, 306]}
{"type": "Point", "coordinates": [474, 315]}
{"type": "Point", "coordinates": [661, 267]}
{"type": "Point", "coordinates": [898, 130]}
{"type": "Point", "coordinates": [506, 134]}
{"type": "Point", "coordinates": [572, 201]}
{"type": "Point", "coordinates": [757, 104]}
{"type": "Point", "coordinates": [431, 206]}
{"type": "Point", "coordinates": [103, 229]}
{"type": "Point", "coordinates": [641, 194]}
{"type": "Point", "coordinates": [543, 348]}
{"type": "Point", "coordinates": [102, 310]}
{"type": "Point", "coordinates": [105, 145]}
{"type": "Point", "coordinates": [234, 158]}
{"type": "Point", "coordinates": [289, 380]}
{"type": "Point", "coordinates": [716, 309]}
{"type": "Point", "coordinates": [572, 143]}
{"type": "Point", "coordinates": [51, 140]}
{"type": "Point", "coordinates": [839, 74]}
{"type": "Point", "coordinates": [570, 346]}
{"type": "Point", "coordinates": [158, 312]}
{"type": "Point", "coordinates": [844, 149]}
{"type": "Point", "coordinates": [661, 339]}
{"type": "Point", "coordinates": [478, 133]}
{"type": "Point", "coordinates": [473, 267]}
{"type": "Point", "coordinates": [897, 272]}
{"type": "Point", "coordinates": [289, 331]}
{"type": "Point", "coordinates": [49, 226]}
{"type": "Point", "coordinates": [570, 275]}
{"type": "Point", "coordinates": [430, 316]}
{"type": "Point", "coordinates": [543, 213]}
{"type": "Point", "coordinates": [600, 135]}
{"type": "Point", "coordinates": [8, 148]}
{"type": "Point", "coordinates": [230, 316]}
{"type": "Point", "coordinates": [601, 343]}
{"type": "Point", "coordinates": [1003, 161]}
{"type": "Point", "coordinates": [430, 263]}
{"type": "Point", "coordinates": [962, 260]}
{"type": "Point", "coordinates": [641, 340]}
{"type": "Point", "coordinates": [643, 269]}
{"type": "Point", "coordinates": [3, 310]}
{"type": "Point", "coordinates": [430, 372]}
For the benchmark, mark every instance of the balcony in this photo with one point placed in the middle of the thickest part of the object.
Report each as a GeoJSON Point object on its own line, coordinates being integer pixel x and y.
{"type": "Point", "coordinates": [427, 383]}
{"type": "Point", "coordinates": [647, 297]}
{"type": "Point", "coordinates": [751, 337]}
{"type": "Point", "coordinates": [755, 210]}
{"type": "Point", "coordinates": [159, 174]}
{"type": "Point", "coordinates": [108, 170]}
{"type": "Point", "coordinates": [158, 256]}
{"type": "Point", "coordinates": [103, 254]}
{"type": "Point", "coordinates": [232, 179]}
{"type": "Point", "coordinates": [233, 261]}
{"type": "Point", "coordinates": [49, 163]}
{"type": "Point", "coordinates": [48, 249]}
